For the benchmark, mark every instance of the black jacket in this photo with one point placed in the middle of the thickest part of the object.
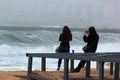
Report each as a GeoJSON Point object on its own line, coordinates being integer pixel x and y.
{"type": "Point", "coordinates": [64, 40]}
{"type": "Point", "coordinates": [92, 42]}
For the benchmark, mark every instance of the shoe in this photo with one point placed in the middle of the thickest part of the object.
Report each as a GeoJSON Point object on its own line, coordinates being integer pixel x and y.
{"type": "Point", "coordinates": [75, 70]}
{"type": "Point", "coordinates": [58, 69]}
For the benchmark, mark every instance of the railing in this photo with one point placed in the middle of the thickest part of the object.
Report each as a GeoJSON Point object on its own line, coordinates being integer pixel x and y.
{"type": "Point", "coordinates": [113, 57]}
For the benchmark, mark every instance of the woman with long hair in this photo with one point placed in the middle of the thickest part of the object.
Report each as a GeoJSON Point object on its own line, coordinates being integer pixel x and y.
{"type": "Point", "coordinates": [64, 38]}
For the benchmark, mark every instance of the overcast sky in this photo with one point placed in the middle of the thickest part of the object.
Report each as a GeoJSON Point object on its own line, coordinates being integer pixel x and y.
{"type": "Point", "coordinates": [102, 13]}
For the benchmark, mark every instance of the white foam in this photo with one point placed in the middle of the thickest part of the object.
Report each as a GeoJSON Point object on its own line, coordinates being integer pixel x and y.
{"type": "Point", "coordinates": [14, 58]}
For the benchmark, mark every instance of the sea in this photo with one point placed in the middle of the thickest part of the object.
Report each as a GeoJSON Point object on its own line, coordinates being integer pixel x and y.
{"type": "Point", "coordinates": [16, 42]}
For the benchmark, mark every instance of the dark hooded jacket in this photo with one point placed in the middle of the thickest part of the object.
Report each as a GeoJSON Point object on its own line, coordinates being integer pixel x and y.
{"type": "Point", "coordinates": [91, 40]}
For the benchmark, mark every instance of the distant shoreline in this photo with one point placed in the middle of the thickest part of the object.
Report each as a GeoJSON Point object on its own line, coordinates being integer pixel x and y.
{"type": "Point", "coordinates": [22, 28]}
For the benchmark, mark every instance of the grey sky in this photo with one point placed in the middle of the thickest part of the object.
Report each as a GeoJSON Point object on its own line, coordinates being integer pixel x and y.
{"type": "Point", "coordinates": [102, 13]}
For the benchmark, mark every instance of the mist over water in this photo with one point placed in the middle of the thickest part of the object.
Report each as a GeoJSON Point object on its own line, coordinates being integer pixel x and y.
{"type": "Point", "coordinates": [75, 13]}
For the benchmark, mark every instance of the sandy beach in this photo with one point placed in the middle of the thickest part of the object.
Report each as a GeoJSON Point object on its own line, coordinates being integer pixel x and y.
{"type": "Point", "coordinates": [54, 75]}
{"type": "Point", "coordinates": [13, 75]}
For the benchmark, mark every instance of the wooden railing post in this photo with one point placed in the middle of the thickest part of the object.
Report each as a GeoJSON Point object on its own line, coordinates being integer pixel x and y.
{"type": "Point", "coordinates": [111, 68]}
{"type": "Point", "coordinates": [43, 66]}
{"type": "Point", "coordinates": [88, 69]}
{"type": "Point", "coordinates": [116, 75]}
{"type": "Point", "coordinates": [97, 65]}
{"type": "Point", "coordinates": [29, 67]}
{"type": "Point", "coordinates": [101, 70]}
{"type": "Point", "coordinates": [72, 63]}
{"type": "Point", "coordinates": [66, 69]}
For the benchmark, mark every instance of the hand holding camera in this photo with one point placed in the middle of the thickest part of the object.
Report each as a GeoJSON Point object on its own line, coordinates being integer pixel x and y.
{"type": "Point", "coordinates": [86, 33]}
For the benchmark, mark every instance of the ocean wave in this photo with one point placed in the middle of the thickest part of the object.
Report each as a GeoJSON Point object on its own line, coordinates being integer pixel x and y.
{"type": "Point", "coordinates": [44, 42]}
{"type": "Point", "coordinates": [45, 37]}
{"type": "Point", "coordinates": [55, 28]}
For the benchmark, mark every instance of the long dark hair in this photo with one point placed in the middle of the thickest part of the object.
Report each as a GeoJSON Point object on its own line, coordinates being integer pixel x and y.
{"type": "Point", "coordinates": [66, 33]}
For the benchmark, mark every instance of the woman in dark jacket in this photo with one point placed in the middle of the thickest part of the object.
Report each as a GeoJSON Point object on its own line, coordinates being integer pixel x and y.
{"type": "Point", "coordinates": [91, 38]}
{"type": "Point", "coordinates": [65, 37]}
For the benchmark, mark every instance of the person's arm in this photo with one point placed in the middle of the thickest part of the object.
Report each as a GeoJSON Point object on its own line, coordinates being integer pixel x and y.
{"type": "Point", "coordinates": [60, 37]}
{"type": "Point", "coordinates": [94, 43]}
{"type": "Point", "coordinates": [85, 38]}
{"type": "Point", "coordinates": [71, 38]}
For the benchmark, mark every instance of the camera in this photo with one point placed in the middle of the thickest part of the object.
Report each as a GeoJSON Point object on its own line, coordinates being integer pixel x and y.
{"type": "Point", "coordinates": [86, 32]}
